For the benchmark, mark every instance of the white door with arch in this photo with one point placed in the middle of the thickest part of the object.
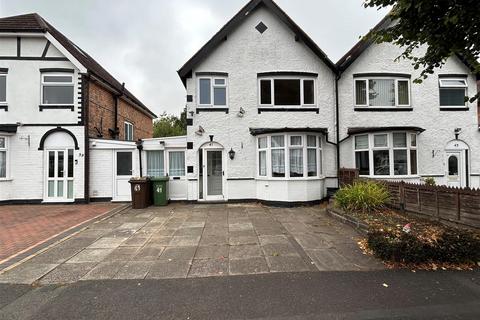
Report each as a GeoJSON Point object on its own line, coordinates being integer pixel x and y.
{"type": "Point", "coordinates": [456, 164]}
{"type": "Point", "coordinates": [212, 173]}
{"type": "Point", "coordinates": [123, 171]}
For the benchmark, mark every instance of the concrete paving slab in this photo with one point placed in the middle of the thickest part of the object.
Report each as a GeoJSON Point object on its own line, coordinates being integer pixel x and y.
{"type": "Point", "coordinates": [106, 243]}
{"type": "Point", "coordinates": [90, 255]}
{"type": "Point", "coordinates": [243, 233]}
{"type": "Point", "coordinates": [76, 242]}
{"type": "Point", "coordinates": [149, 253]}
{"type": "Point", "coordinates": [207, 240]}
{"type": "Point", "coordinates": [132, 226]}
{"type": "Point", "coordinates": [279, 249]}
{"type": "Point", "coordinates": [245, 251]}
{"type": "Point", "coordinates": [169, 269]}
{"type": "Point", "coordinates": [286, 264]}
{"type": "Point", "coordinates": [122, 254]}
{"type": "Point", "coordinates": [184, 241]}
{"type": "Point", "coordinates": [308, 241]}
{"type": "Point", "coordinates": [239, 240]}
{"type": "Point", "coordinates": [56, 255]}
{"type": "Point", "coordinates": [26, 273]}
{"type": "Point", "coordinates": [163, 233]}
{"type": "Point", "coordinates": [264, 240]}
{"type": "Point", "coordinates": [254, 265]}
{"type": "Point", "coordinates": [178, 253]}
{"type": "Point", "coordinates": [104, 270]}
{"type": "Point", "coordinates": [67, 273]}
{"type": "Point", "coordinates": [245, 226]}
{"type": "Point", "coordinates": [160, 240]}
{"type": "Point", "coordinates": [208, 268]}
{"type": "Point", "coordinates": [135, 241]}
{"type": "Point", "coordinates": [212, 252]}
{"type": "Point", "coordinates": [193, 232]}
{"type": "Point", "coordinates": [134, 270]}
{"type": "Point", "coordinates": [193, 224]}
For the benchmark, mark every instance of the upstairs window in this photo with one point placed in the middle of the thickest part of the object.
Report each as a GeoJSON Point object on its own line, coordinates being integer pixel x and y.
{"type": "Point", "coordinates": [212, 91]}
{"type": "Point", "coordinates": [3, 88]}
{"type": "Point", "coordinates": [128, 127]}
{"type": "Point", "coordinates": [453, 92]}
{"type": "Point", "coordinates": [382, 92]}
{"type": "Point", "coordinates": [287, 92]}
{"type": "Point", "coordinates": [57, 89]}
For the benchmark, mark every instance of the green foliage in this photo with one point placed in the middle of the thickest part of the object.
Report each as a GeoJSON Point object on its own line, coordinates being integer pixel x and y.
{"type": "Point", "coordinates": [430, 181]}
{"type": "Point", "coordinates": [170, 125]}
{"type": "Point", "coordinates": [447, 28]}
{"type": "Point", "coordinates": [362, 196]}
{"type": "Point", "coordinates": [450, 246]}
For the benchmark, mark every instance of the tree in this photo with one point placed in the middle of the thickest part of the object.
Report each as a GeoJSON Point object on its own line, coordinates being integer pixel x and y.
{"type": "Point", "coordinates": [445, 27]}
{"type": "Point", "coordinates": [170, 125]}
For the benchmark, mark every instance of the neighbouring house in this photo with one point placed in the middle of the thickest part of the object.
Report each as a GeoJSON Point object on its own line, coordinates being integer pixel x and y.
{"type": "Point", "coordinates": [54, 99]}
{"type": "Point", "coordinates": [271, 118]}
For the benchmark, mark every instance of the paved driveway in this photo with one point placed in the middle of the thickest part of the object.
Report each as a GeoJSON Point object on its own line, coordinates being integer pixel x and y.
{"type": "Point", "coordinates": [182, 241]}
{"type": "Point", "coordinates": [23, 227]}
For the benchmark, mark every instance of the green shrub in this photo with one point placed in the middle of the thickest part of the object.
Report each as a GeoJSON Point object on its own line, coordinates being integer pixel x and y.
{"type": "Point", "coordinates": [362, 196]}
{"type": "Point", "coordinates": [429, 181]}
{"type": "Point", "coordinates": [452, 246]}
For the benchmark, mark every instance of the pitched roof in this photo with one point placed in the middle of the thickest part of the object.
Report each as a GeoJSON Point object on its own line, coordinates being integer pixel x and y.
{"type": "Point", "coordinates": [35, 23]}
{"type": "Point", "coordinates": [186, 69]}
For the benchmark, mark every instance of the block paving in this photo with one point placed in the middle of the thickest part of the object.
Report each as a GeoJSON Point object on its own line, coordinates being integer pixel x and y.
{"type": "Point", "coordinates": [199, 240]}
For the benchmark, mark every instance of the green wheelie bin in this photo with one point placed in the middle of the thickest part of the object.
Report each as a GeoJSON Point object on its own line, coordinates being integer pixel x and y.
{"type": "Point", "coordinates": [160, 190]}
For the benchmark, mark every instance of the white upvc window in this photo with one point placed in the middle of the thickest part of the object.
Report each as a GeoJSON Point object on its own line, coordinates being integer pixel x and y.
{"type": "Point", "coordinates": [128, 127]}
{"type": "Point", "coordinates": [386, 154]}
{"type": "Point", "coordinates": [289, 156]}
{"type": "Point", "coordinates": [57, 89]}
{"type": "Point", "coordinates": [4, 158]}
{"type": "Point", "coordinates": [3, 88]}
{"type": "Point", "coordinates": [287, 91]}
{"type": "Point", "coordinates": [176, 163]}
{"type": "Point", "coordinates": [382, 92]}
{"type": "Point", "coordinates": [212, 91]}
{"type": "Point", "coordinates": [155, 163]}
{"type": "Point", "coordinates": [453, 92]}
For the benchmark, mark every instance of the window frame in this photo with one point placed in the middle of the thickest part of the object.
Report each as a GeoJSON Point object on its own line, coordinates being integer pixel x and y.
{"type": "Point", "coordinates": [367, 92]}
{"type": "Point", "coordinates": [4, 74]}
{"type": "Point", "coordinates": [302, 80]}
{"type": "Point", "coordinates": [164, 160]}
{"type": "Point", "coordinates": [447, 87]}
{"type": "Point", "coordinates": [390, 147]}
{"type": "Point", "coordinates": [287, 147]}
{"type": "Point", "coordinates": [167, 164]}
{"type": "Point", "coordinates": [7, 158]}
{"type": "Point", "coordinates": [264, 150]}
{"type": "Point", "coordinates": [125, 125]}
{"type": "Point", "coordinates": [44, 84]}
{"type": "Point", "coordinates": [212, 91]}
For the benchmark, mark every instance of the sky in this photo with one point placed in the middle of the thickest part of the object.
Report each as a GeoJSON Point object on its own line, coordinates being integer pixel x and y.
{"type": "Point", "coordinates": [144, 42]}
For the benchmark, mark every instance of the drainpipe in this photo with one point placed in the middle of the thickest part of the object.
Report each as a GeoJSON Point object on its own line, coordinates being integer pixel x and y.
{"type": "Point", "coordinates": [140, 148]}
{"type": "Point", "coordinates": [115, 124]}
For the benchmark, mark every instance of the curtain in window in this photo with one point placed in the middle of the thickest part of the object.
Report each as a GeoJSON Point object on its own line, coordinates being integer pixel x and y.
{"type": "Point", "coordinates": [278, 163]}
{"type": "Point", "coordinates": [361, 92]}
{"type": "Point", "coordinates": [312, 162]}
{"type": "Point", "coordinates": [155, 166]}
{"type": "Point", "coordinates": [296, 163]}
{"type": "Point", "coordinates": [177, 163]}
{"type": "Point", "coordinates": [382, 92]}
{"type": "Point", "coordinates": [262, 163]}
{"type": "Point", "coordinates": [3, 164]}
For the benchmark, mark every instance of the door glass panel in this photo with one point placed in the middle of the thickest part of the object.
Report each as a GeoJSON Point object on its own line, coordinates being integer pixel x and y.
{"type": "Point", "coordinates": [51, 164]}
{"type": "Point", "coordinates": [51, 189]}
{"type": "Point", "coordinates": [70, 189]}
{"type": "Point", "coordinates": [70, 163]}
{"type": "Point", "coordinates": [60, 164]}
{"type": "Point", "coordinates": [453, 166]}
{"type": "Point", "coordinates": [124, 163]}
{"type": "Point", "coordinates": [214, 171]}
{"type": "Point", "coordinates": [60, 188]}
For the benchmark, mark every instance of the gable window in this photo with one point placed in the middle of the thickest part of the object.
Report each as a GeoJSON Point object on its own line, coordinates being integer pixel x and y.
{"type": "Point", "coordinates": [128, 131]}
{"type": "Point", "coordinates": [287, 92]}
{"type": "Point", "coordinates": [57, 89]}
{"type": "Point", "coordinates": [212, 91]}
{"type": "Point", "coordinates": [155, 163]}
{"type": "Point", "coordinates": [386, 154]}
{"type": "Point", "coordinates": [3, 88]}
{"type": "Point", "coordinates": [382, 92]}
{"type": "Point", "coordinates": [3, 157]}
{"type": "Point", "coordinates": [453, 92]}
{"type": "Point", "coordinates": [298, 154]}
{"type": "Point", "coordinates": [176, 163]}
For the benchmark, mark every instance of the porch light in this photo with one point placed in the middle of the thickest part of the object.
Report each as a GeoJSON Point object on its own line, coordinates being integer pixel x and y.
{"type": "Point", "coordinates": [231, 154]}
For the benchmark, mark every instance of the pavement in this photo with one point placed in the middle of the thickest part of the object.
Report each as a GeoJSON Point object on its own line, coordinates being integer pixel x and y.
{"type": "Point", "coordinates": [190, 241]}
{"type": "Point", "coordinates": [304, 295]}
{"type": "Point", "coordinates": [23, 227]}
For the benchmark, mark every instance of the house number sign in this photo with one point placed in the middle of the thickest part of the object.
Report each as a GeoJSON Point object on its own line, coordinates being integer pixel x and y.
{"type": "Point", "coordinates": [137, 188]}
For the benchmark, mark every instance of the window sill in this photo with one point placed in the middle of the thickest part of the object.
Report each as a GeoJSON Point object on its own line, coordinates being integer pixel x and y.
{"type": "Point", "coordinates": [290, 179]}
{"type": "Point", "coordinates": [392, 177]}
{"type": "Point", "coordinates": [393, 109]}
{"type": "Point", "coordinates": [289, 109]}
{"type": "Point", "coordinates": [56, 107]}
{"type": "Point", "coordinates": [454, 108]}
{"type": "Point", "coordinates": [4, 107]}
{"type": "Point", "coordinates": [211, 109]}
{"type": "Point", "coordinates": [6, 179]}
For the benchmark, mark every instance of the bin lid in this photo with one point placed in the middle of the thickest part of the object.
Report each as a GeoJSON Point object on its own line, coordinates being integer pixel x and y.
{"type": "Point", "coordinates": [165, 178]}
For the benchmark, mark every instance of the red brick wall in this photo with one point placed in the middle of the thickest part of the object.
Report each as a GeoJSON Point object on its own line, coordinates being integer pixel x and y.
{"type": "Point", "coordinates": [102, 115]}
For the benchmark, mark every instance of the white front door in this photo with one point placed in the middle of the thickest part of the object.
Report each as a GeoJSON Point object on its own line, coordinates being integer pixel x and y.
{"type": "Point", "coordinates": [59, 175]}
{"type": "Point", "coordinates": [123, 173]}
{"type": "Point", "coordinates": [456, 169]}
{"type": "Point", "coordinates": [213, 173]}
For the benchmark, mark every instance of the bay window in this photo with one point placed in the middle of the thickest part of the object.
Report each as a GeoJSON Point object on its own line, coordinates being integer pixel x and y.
{"type": "Point", "coordinates": [3, 157]}
{"type": "Point", "coordinates": [212, 91]}
{"type": "Point", "coordinates": [286, 92]}
{"type": "Point", "coordinates": [386, 154]}
{"type": "Point", "coordinates": [453, 92]}
{"type": "Point", "coordinates": [57, 89]}
{"type": "Point", "coordinates": [155, 163]}
{"type": "Point", "coordinates": [382, 92]}
{"type": "Point", "coordinates": [299, 155]}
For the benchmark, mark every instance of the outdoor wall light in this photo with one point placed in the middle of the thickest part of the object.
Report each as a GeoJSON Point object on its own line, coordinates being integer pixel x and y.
{"type": "Point", "coordinates": [231, 154]}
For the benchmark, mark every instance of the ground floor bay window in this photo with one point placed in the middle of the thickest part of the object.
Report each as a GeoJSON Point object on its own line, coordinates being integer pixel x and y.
{"type": "Point", "coordinates": [289, 156]}
{"type": "Point", "coordinates": [389, 154]}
